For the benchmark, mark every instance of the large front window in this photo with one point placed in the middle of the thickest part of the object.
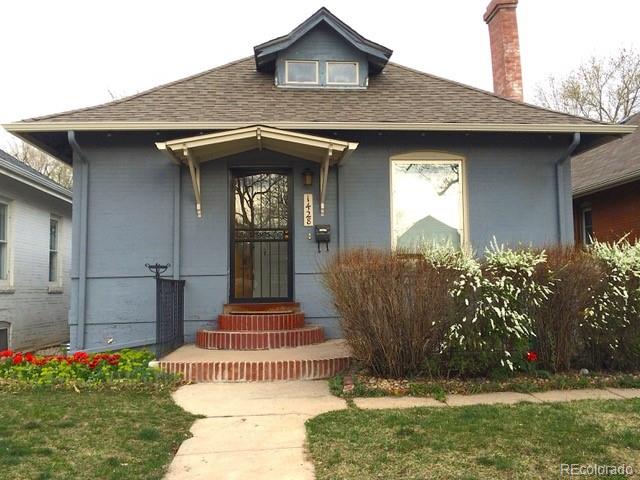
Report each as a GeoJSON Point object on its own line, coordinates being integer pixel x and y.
{"type": "Point", "coordinates": [426, 203]}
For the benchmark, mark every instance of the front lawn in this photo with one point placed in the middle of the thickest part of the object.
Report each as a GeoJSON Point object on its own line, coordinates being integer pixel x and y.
{"type": "Point", "coordinates": [523, 441]}
{"type": "Point", "coordinates": [51, 434]}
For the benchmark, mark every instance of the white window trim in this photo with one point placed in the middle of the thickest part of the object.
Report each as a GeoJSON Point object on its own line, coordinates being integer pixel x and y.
{"type": "Point", "coordinates": [438, 158]}
{"type": "Point", "coordinates": [286, 72]}
{"type": "Point", "coordinates": [332, 62]}
{"type": "Point", "coordinates": [56, 285]}
{"type": "Point", "coordinates": [583, 225]}
{"type": "Point", "coordinates": [6, 285]}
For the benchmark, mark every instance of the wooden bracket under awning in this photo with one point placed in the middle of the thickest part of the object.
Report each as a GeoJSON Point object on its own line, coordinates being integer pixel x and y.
{"type": "Point", "coordinates": [192, 151]}
{"type": "Point", "coordinates": [194, 170]}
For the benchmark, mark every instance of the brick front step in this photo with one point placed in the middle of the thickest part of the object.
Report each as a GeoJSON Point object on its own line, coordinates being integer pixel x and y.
{"type": "Point", "coordinates": [259, 340]}
{"type": "Point", "coordinates": [260, 322]}
{"type": "Point", "coordinates": [310, 362]}
{"type": "Point", "coordinates": [261, 307]}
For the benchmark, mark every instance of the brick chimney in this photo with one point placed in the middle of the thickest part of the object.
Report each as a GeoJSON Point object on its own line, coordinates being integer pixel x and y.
{"type": "Point", "coordinates": [505, 48]}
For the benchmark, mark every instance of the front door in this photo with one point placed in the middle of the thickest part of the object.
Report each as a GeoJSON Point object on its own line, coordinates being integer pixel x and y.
{"type": "Point", "coordinates": [261, 253]}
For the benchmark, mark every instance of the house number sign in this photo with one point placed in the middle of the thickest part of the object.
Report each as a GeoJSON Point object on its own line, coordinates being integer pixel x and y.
{"type": "Point", "coordinates": [308, 210]}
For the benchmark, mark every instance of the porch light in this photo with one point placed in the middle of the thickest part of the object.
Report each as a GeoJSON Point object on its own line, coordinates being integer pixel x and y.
{"type": "Point", "coordinates": [307, 177]}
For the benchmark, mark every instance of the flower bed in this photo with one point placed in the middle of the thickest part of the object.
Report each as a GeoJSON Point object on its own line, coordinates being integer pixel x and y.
{"type": "Point", "coordinates": [81, 367]}
{"type": "Point", "coordinates": [361, 384]}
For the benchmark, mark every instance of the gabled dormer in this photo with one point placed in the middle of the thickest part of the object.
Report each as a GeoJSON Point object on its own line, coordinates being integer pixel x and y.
{"type": "Point", "coordinates": [321, 52]}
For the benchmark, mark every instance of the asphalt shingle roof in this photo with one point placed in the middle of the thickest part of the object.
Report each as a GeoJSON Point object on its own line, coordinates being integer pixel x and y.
{"type": "Point", "coordinates": [236, 92]}
{"type": "Point", "coordinates": [608, 164]}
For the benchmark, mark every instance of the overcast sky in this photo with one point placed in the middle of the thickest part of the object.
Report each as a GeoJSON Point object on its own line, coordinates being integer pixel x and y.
{"type": "Point", "coordinates": [64, 54]}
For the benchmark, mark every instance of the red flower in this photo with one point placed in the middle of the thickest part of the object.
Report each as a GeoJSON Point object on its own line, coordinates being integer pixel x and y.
{"type": "Point", "coordinates": [80, 356]}
{"type": "Point", "coordinates": [6, 353]}
{"type": "Point", "coordinates": [532, 357]}
{"type": "Point", "coordinates": [17, 358]}
{"type": "Point", "coordinates": [29, 357]}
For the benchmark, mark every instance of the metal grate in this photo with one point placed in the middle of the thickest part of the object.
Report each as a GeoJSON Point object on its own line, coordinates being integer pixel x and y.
{"type": "Point", "coordinates": [169, 312]}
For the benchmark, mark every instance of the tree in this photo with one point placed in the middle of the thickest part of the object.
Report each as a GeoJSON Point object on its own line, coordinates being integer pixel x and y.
{"type": "Point", "coordinates": [48, 166]}
{"type": "Point", "coordinates": [603, 89]}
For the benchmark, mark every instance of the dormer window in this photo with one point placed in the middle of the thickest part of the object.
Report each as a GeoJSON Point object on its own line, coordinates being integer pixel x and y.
{"type": "Point", "coordinates": [301, 72]}
{"type": "Point", "coordinates": [342, 73]}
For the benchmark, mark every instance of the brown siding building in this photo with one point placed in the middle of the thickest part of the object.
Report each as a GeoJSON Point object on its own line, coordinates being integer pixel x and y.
{"type": "Point", "coordinates": [606, 190]}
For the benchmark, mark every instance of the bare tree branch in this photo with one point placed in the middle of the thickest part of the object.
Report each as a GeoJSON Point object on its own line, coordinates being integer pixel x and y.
{"type": "Point", "coordinates": [603, 89]}
{"type": "Point", "coordinates": [48, 166]}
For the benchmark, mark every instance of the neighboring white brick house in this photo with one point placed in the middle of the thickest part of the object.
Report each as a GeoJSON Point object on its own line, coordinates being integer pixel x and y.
{"type": "Point", "coordinates": [35, 257]}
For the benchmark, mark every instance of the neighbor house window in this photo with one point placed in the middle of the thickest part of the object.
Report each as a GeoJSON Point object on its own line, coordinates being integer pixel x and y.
{"type": "Point", "coordinates": [4, 241]}
{"type": "Point", "coordinates": [53, 249]}
{"type": "Point", "coordinates": [426, 200]}
{"type": "Point", "coordinates": [301, 72]}
{"type": "Point", "coordinates": [4, 336]}
{"type": "Point", "coordinates": [587, 227]}
{"type": "Point", "coordinates": [342, 73]}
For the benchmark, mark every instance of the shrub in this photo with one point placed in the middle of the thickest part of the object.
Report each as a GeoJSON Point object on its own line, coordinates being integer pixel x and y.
{"type": "Point", "coordinates": [79, 367]}
{"type": "Point", "coordinates": [441, 312]}
{"type": "Point", "coordinates": [395, 307]}
{"type": "Point", "coordinates": [612, 321]}
{"type": "Point", "coordinates": [499, 294]}
{"type": "Point", "coordinates": [572, 274]}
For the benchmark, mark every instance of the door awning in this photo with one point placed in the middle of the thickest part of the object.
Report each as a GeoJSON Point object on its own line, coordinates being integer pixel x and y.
{"type": "Point", "coordinates": [193, 151]}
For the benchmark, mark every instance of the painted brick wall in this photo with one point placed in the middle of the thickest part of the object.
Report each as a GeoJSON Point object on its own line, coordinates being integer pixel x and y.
{"type": "Point", "coordinates": [615, 213]}
{"type": "Point", "coordinates": [511, 195]}
{"type": "Point", "coordinates": [37, 318]}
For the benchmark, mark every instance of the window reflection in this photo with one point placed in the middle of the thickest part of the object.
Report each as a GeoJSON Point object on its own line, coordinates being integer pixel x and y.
{"type": "Point", "coordinates": [427, 203]}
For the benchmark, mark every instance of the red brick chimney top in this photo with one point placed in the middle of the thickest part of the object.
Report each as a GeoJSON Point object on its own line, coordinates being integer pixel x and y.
{"type": "Point", "coordinates": [505, 48]}
{"type": "Point", "coordinates": [496, 5]}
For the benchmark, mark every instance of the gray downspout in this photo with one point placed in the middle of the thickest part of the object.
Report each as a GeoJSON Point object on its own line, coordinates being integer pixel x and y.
{"type": "Point", "coordinates": [562, 231]}
{"type": "Point", "coordinates": [177, 196]}
{"type": "Point", "coordinates": [340, 201]}
{"type": "Point", "coordinates": [82, 247]}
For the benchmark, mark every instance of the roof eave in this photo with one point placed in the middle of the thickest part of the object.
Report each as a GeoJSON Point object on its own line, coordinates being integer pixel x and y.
{"type": "Point", "coordinates": [57, 191]}
{"type": "Point", "coordinates": [606, 184]}
{"type": "Point", "coordinates": [62, 126]}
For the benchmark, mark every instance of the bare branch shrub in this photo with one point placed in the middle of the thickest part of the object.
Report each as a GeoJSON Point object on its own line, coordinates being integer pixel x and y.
{"type": "Point", "coordinates": [573, 274]}
{"type": "Point", "coordinates": [395, 308]}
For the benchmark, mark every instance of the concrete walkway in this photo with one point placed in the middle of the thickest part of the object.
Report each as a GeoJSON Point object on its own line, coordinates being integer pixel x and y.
{"type": "Point", "coordinates": [256, 430]}
{"type": "Point", "coordinates": [506, 398]}
{"type": "Point", "coordinates": [251, 430]}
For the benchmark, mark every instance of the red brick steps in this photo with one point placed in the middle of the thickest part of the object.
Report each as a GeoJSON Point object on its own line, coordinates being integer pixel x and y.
{"type": "Point", "coordinates": [260, 322]}
{"type": "Point", "coordinates": [311, 362]}
{"type": "Point", "coordinates": [261, 307]}
{"type": "Point", "coordinates": [259, 340]}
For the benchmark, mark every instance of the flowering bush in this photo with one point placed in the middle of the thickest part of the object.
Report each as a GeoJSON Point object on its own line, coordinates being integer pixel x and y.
{"type": "Point", "coordinates": [612, 320]}
{"type": "Point", "coordinates": [500, 295]}
{"type": "Point", "coordinates": [79, 367]}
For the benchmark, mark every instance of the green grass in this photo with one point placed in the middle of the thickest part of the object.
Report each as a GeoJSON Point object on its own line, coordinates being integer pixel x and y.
{"type": "Point", "coordinates": [51, 434]}
{"type": "Point", "coordinates": [523, 441]}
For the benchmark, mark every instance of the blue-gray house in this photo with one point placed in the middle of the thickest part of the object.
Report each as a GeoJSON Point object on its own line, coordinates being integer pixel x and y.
{"type": "Point", "coordinates": [246, 177]}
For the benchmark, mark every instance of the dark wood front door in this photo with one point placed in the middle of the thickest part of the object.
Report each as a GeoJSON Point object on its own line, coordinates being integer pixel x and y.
{"type": "Point", "coordinates": [261, 249]}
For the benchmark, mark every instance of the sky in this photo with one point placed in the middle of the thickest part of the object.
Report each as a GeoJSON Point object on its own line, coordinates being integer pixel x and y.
{"type": "Point", "coordinates": [68, 54]}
